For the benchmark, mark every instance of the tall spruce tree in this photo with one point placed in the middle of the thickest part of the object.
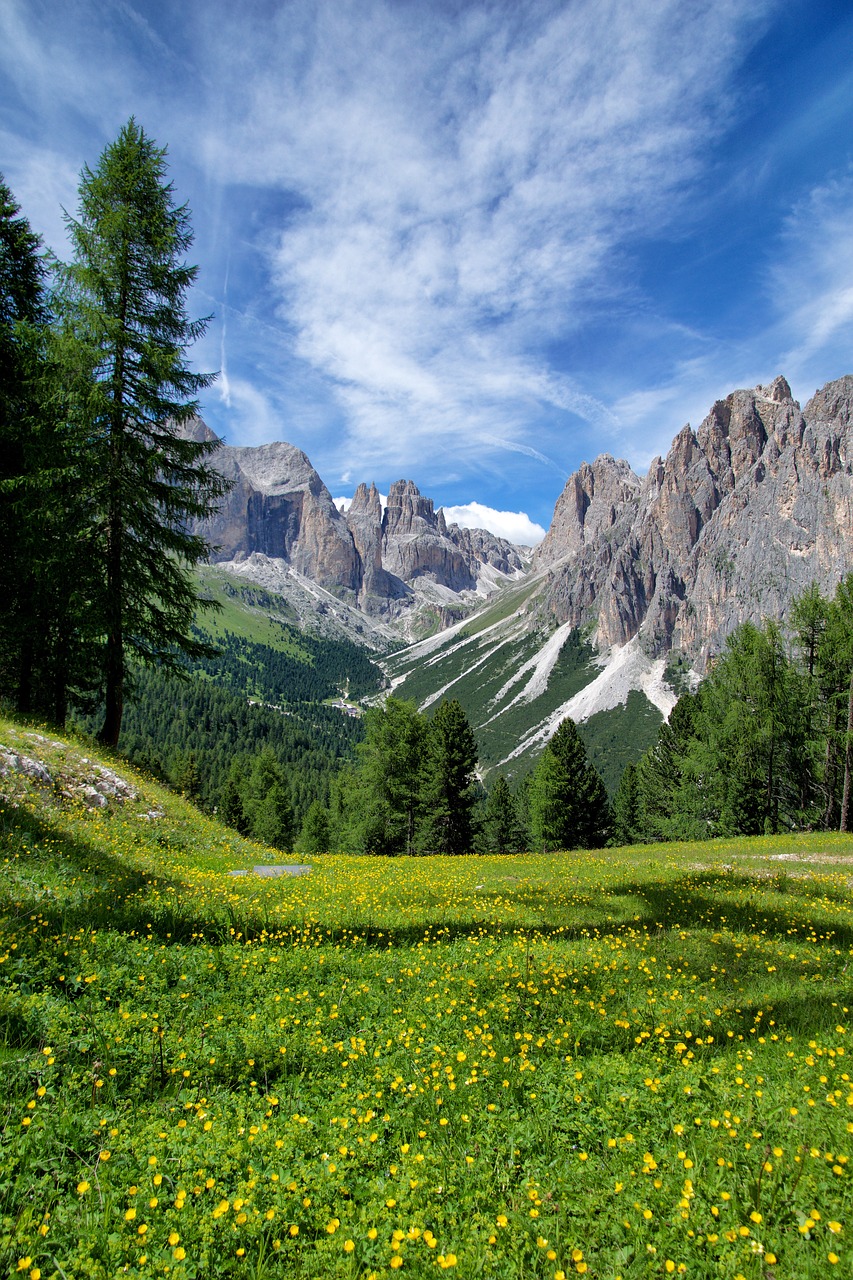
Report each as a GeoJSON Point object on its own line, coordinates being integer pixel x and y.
{"type": "Point", "coordinates": [836, 662]}
{"type": "Point", "coordinates": [125, 337]}
{"type": "Point", "coordinates": [750, 747]}
{"type": "Point", "coordinates": [449, 785]}
{"type": "Point", "coordinates": [380, 796]}
{"type": "Point", "coordinates": [626, 808]}
{"type": "Point", "coordinates": [23, 316]}
{"type": "Point", "coordinates": [41, 576]}
{"type": "Point", "coordinates": [569, 808]}
{"type": "Point", "coordinates": [503, 831]}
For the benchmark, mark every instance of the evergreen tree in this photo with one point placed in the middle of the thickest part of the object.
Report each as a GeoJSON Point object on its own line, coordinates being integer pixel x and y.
{"type": "Point", "coordinates": [315, 834]}
{"type": "Point", "coordinates": [185, 775]}
{"type": "Point", "coordinates": [502, 830]}
{"type": "Point", "coordinates": [43, 570]}
{"type": "Point", "coordinates": [569, 808]}
{"type": "Point", "coordinates": [230, 807]}
{"type": "Point", "coordinates": [626, 808]}
{"type": "Point", "coordinates": [381, 795]}
{"type": "Point", "coordinates": [449, 783]}
{"type": "Point", "coordinates": [266, 802]}
{"type": "Point", "coordinates": [750, 746]}
{"type": "Point", "coordinates": [125, 335]}
{"type": "Point", "coordinates": [272, 821]}
{"type": "Point", "coordinates": [670, 795]}
{"type": "Point", "coordinates": [836, 666]}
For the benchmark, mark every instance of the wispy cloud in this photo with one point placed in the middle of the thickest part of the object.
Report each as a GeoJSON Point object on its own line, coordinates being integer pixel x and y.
{"type": "Point", "coordinates": [811, 281]}
{"type": "Point", "coordinates": [436, 202]}
{"type": "Point", "coordinates": [463, 187]}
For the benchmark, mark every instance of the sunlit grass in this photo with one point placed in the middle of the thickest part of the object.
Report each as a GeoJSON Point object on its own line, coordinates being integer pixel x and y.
{"type": "Point", "coordinates": [621, 1063]}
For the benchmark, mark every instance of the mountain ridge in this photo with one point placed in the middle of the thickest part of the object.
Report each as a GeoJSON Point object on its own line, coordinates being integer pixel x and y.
{"type": "Point", "coordinates": [635, 587]}
{"type": "Point", "coordinates": [401, 561]}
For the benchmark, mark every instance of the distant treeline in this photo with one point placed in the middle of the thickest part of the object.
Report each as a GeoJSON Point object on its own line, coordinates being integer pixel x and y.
{"type": "Point", "coordinates": [249, 699]}
{"type": "Point", "coordinates": [190, 732]}
{"type": "Point", "coordinates": [413, 789]}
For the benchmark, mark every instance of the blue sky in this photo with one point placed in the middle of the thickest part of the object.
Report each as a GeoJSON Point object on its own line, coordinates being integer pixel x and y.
{"type": "Point", "coordinates": [470, 244]}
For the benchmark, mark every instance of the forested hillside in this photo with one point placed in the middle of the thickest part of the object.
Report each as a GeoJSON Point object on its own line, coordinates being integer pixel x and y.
{"type": "Point", "coordinates": [250, 697]}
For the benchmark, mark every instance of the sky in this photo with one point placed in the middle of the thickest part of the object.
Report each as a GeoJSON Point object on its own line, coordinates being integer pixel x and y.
{"type": "Point", "coordinates": [470, 245]}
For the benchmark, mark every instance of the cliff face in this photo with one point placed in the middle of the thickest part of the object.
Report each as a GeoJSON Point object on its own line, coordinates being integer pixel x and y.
{"type": "Point", "coordinates": [279, 506]}
{"type": "Point", "coordinates": [735, 522]}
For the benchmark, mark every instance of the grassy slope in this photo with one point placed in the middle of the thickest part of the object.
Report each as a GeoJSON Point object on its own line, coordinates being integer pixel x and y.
{"type": "Point", "coordinates": [477, 668]}
{"type": "Point", "coordinates": [630, 1063]}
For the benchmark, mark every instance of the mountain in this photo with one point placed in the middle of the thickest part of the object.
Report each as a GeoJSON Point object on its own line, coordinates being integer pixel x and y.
{"type": "Point", "coordinates": [279, 526]}
{"type": "Point", "coordinates": [651, 574]}
{"type": "Point", "coordinates": [632, 592]}
{"type": "Point", "coordinates": [737, 520]}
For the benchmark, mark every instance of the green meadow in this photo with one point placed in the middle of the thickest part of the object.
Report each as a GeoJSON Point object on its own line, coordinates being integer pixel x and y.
{"type": "Point", "coordinates": [624, 1063]}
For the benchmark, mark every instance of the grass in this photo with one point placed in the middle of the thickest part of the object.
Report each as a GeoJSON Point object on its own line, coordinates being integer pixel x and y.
{"type": "Point", "coordinates": [247, 611]}
{"type": "Point", "coordinates": [622, 1063]}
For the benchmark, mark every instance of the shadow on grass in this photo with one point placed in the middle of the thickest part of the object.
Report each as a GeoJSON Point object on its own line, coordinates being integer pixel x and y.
{"type": "Point", "coordinates": [112, 895]}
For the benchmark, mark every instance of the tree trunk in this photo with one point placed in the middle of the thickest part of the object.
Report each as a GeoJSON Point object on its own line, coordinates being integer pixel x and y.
{"type": "Point", "coordinates": [848, 762]}
{"type": "Point", "coordinates": [114, 660]}
{"type": "Point", "coordinates": [829, 768]}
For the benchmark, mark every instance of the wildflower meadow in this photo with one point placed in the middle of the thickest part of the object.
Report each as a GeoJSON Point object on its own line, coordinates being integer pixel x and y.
{"type": "Point", "coordinates": [624, 1063]}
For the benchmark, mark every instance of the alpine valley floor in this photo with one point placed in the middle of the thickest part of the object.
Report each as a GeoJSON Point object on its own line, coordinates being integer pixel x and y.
{"type": "Point", "coordinates": [621, 1063]}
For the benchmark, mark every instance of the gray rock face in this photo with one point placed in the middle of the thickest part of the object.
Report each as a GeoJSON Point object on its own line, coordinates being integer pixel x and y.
{"type": "Point", "coordinates": [364, 520]}
{"type": "Point", "coordinates": [279, 506]}
{"type": "Point", "coordinates": [415, 542]}
{"type": "Point", "coordinates": [737, 520]}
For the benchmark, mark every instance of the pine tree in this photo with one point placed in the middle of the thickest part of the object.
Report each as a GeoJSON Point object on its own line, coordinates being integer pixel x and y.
{"type": "Point", "coordinates": [502, 830]}
{"type": "Point", "coordinates": [230, 807]}
{"type": "Point", "coordinates": [315, 834]}
{"type": "Point", "coordinates": [837, 664]}
{"type": "Point", "coordinates": [626, 808]}
{"type": "Point", "coordinates": [381, 795]}
{"type": "Point", "coordinates": [266, 801]}
{"type": "Point", "coordinates": [43, 569]}
{"type": "Point", "coordinates": [670, 795]}
{"type": "Point", "coordinates": [125, 335]}
{"type": "Point", "coordinates": [449, 790]}
{"type": "Point", "coordinates": [749, 745]}
{"type": "Point", "coordinates": [569, 808]}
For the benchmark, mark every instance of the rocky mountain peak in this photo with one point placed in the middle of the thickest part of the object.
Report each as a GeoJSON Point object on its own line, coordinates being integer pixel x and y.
{"type": "Point", "coordinates": [738, 518]}
{"type": "Point", "coordinates": [593, 501]}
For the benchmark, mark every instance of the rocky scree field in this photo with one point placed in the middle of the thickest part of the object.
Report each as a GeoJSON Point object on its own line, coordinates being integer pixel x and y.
{"type": "Point", "coordinates": [626, 1063]}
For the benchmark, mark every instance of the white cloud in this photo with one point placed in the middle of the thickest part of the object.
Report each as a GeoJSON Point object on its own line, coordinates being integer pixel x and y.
{"type": "Point", "coordinates": [811, 282]}
{"type": "Point", "coordinates": [43, 183]}
{"type": "Point", "coordinates": [252, 418]}
{"type": "Point", "coordinates": [515, 526]}
{"type": "Point", "coordinates": [463, 182]}
{"type": "Point", "coordinates": [444, 193]}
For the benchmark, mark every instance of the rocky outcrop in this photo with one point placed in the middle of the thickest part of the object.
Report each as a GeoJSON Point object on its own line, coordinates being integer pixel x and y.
{"type": "Point", "coordinates": [734, 523]}
{"type": "Point", "coordinates": [364, 521]}
{"type": "Point", "coordinates": [278, 506]}
{"type": "Point", "coordinates": [415, 542]}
